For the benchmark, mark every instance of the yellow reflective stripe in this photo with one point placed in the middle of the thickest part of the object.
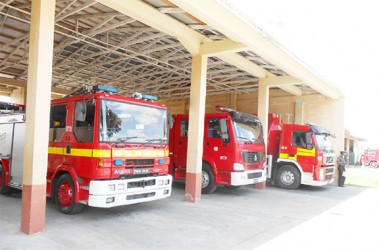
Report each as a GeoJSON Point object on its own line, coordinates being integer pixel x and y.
{"type": "Point", "coordinates": [139, 153]}
{"type": "Point", "coordinates": [81, 152]}
{"type": "Point", "coordinates": [100, 153]}
{"type": "Point", "coordinates": [106, 153]}
{"type": "Point", "coordinates": [103, 153]}
{"type": "Point", "coordinates": [306, 152]}
{"type": "Point", "coordinates": [56, 151]}
{"type": "Point", "coordinates": [283, 156]}
{"type": "Point", "coordinates": [286, 156]}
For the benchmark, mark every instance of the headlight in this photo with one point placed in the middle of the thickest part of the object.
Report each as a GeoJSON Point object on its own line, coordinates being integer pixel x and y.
{"type": "Point", "coordinates": [238, 167]}
{"type": "Point", "coordinates": [319, 158]}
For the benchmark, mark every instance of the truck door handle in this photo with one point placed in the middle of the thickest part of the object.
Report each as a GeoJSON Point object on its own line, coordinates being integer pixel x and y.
{"type": "Point", "coordinates": [208, 143]}
{"type": "Point", "coordinates": [68, 149]}
{"type": "Point", "coordinates": [180, 143]}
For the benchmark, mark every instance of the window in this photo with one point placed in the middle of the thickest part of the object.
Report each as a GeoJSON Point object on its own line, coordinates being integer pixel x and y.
{"type": "Point", "coordinates": [184, 129]}
{"type": "Point", "coordinates": [57, 122]}
{"type": "Point", "coordinates": [84, 121]}
{"type": "Point", "coordinates": [299, 139]}
{"type": "Point", "coordinates": [214, 130]}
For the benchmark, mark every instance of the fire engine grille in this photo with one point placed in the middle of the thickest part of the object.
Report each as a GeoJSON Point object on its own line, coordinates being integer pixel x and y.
{"type": "Point", "coordinates": [254, 175]}
{"type": "Point", "coordinates": [139, 162]}
{"type": "Point", "coordinates": [140, 196]}
{"type": "Point", "coordinates": [329, 170]}
{"type": "Point", "coordinates": [251, 157]}
{"type": "Point", "coordinates": [329, 160]}
{"type": "Point", "coordinates": [143, 183]}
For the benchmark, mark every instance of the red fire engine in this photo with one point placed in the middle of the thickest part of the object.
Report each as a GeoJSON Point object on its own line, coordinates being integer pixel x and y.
{"type": "Point", "coordinates": [299, 154]}
{"type": "Point", "coordinates": [105, 150]}
{"type": "Point", "coordinates": [371, 157]}
{"type": "Point", "coordinates": [233, 149]}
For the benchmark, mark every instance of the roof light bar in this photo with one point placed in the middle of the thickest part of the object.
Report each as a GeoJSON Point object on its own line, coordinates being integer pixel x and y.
{"type": "Point", "coordinates": [223, 109]}
{"type": "Point", "coordinates": [105, 88]}
{"type": "Point", "coordinates": [137, 95]}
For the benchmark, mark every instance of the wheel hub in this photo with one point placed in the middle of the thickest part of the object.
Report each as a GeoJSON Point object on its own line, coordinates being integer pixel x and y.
{"type": "Point", "coordinates": [205, 180]}
{"type": "Point", "coordinates": [287, 177]}
{"type": "Point", "coordinates": [65, 194]}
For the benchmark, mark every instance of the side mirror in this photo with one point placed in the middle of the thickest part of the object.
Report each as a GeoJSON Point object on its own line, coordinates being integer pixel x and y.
{"type": "Point", "coordinates": [309, 146]}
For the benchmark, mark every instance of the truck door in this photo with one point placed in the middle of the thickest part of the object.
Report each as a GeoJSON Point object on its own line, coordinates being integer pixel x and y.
{"type": "Point", "coordinates": [216, 141]}
{"type": "Point", "coordinates": [305, 154]}
{"type": "Point", "coordinates": [57, 138]}
{"type": "Point", "coordinates": [178, 146]}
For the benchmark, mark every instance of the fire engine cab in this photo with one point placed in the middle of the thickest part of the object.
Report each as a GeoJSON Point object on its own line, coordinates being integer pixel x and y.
{"type": "Point", "coordinates": [233, 149]}
{"type": "Point", "coordinates": [299, 154]}
{"type": "Point", "coordinates": [105, 150]}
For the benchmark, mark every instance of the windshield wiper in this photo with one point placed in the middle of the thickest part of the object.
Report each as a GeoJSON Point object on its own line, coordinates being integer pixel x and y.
{"type": "Point", "coordinates": [126, 138]}
{"type": "Point", "coordinates": [153, 140]}
{"type": "Point", "coordinates": [247, 140]}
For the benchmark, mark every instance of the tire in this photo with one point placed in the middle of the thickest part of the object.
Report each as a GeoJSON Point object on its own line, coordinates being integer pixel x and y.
{"type": "Point", "coordinates": [287, 177]}
{"type": "Point", "coordinates": [4, 190]}
{"type": "Point", "coordinates": [208, 185]}
{"type": "Point", "coordinates": [64, 196]}
{"type": "Point", "coordinates": [374, 164]}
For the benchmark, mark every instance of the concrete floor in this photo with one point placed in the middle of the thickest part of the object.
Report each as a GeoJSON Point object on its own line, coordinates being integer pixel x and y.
{"type": "Point", "coordinates": [245, 218]}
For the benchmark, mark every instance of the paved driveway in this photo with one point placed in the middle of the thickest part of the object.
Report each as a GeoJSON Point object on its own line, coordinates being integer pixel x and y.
{"type": "Point", "coordinates": [245, 218]}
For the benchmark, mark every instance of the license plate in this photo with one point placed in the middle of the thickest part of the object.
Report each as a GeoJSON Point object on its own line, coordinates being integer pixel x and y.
{"type": "Point", "coordinates": [141, 171]}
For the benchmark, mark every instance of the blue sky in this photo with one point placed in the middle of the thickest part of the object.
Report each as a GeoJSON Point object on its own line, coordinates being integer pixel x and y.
{"type": "Point", "coordinates": [339, 40]}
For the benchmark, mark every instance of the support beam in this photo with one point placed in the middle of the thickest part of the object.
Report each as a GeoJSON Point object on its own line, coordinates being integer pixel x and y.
{"type": "Point", "coordinates": [218, 15]}
{"type": "Point", "coordinates": [221, 47]}
{"type": "Point", "coordinates": [196, 128]}
{"type": "Point", "coordinates": [37, 116]}
{"type": "Point", "coordinates": [286, 83]}
{"type": "Point", "coordinates": [155, 19]}
{"type": "Point", "coordinates": [23, 84]}
{"type": "Point", "coordinates": [280, 81]}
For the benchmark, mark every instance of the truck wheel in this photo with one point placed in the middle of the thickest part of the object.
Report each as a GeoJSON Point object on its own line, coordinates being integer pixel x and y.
{"type": "Point", "coordinates": [64, 196]}
{"type": "Point", "coordinates": [374, 164]}
{"type": "Point", "coordinates": [3, 189]}
{"type": "Point", "coordinates": [287, 177]}
{"type": "Point", "coordinates": [208, 185]}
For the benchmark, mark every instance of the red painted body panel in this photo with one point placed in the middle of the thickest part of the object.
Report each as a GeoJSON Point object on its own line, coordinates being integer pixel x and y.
{"type": "Point", "coordinates": [219, 155]}
{"type": "Point", "coordinates": [282, 148]}
{"type": "Point", "coordinates": [86, 161]}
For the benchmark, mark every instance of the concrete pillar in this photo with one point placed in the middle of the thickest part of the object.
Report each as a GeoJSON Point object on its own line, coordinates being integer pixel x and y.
{"type": "Point", "coordinates": [37, 116]}
{"type": "Point", "coordinates": [263, 104]}
{"type": "Point", "coordinates": [299, 111]}
{"type": "Point", "coordinates": [196, 128]}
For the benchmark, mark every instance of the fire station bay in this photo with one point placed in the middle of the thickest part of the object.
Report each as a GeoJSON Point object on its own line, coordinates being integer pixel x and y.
{"type": "Point", "coordinates": [152, 124]}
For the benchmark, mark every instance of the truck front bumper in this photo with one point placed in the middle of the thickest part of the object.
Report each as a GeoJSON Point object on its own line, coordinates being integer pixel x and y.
{"type": "Point", "coordinates": [247, 177]}
{"type": "Point", "coordinates": [112, 193]}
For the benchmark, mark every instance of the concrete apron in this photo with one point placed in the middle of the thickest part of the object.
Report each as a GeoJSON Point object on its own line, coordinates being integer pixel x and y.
{"type": "Point", "coordinates": [245, 218]}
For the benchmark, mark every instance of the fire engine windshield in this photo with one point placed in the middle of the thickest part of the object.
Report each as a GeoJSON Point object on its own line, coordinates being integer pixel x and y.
{"type": "Point", "coordinates": [248, 131]}
{"type": "Point", "coordinates": [323, 143]}
{"type": "Point", "coordinates": [126, 122]}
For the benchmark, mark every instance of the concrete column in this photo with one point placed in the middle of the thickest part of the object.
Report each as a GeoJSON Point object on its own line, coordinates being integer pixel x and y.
{"type": "Point", "coordinates": [196, 128]}
{"type": "Point", "coordinates": [299, 111]}
{"type": "Point", "coordinates": [263, 104]}
{"type": "Point", "coordinates": [37, 116]}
